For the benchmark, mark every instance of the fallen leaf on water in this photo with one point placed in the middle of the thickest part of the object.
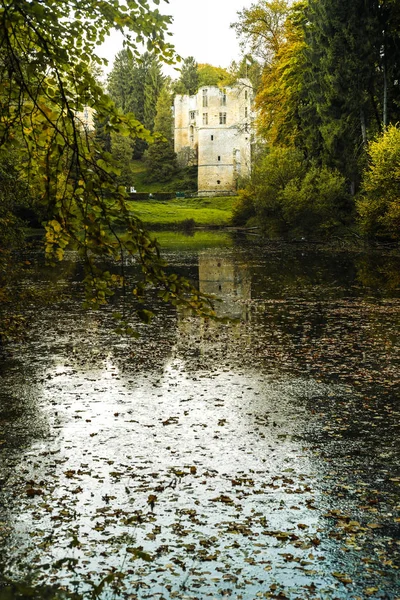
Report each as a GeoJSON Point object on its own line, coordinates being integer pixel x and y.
{"type": "Point", "coordinates": [138, 553]}
{"type": "Point", "coordinates": [342, 577]}
{"type": "Point", "coordinates": [370, 591]}
{"type": "Point", "coordinates": [222, 498]}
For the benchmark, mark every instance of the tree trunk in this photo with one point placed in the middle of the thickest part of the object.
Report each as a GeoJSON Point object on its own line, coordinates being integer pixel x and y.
{"type": "Point", "coordinates": [363, 127]}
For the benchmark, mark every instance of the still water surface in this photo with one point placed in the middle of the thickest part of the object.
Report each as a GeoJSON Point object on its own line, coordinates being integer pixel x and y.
{"type": "Point", "coordinates": [258, 458]}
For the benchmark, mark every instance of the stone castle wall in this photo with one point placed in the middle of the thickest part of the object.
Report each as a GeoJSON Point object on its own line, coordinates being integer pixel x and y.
{"type": "Point", "coordinates": [213, 129]}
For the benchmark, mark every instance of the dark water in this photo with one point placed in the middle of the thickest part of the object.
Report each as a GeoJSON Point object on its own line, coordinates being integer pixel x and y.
{"type": "Point", "coordinates": [258, 458]}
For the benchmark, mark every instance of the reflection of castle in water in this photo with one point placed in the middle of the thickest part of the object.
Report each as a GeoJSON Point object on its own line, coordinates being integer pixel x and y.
{"type": "Point", "coordinates": [229, 281]}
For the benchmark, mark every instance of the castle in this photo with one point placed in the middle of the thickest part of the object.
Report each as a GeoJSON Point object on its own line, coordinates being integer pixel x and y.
{"type": "Point", "coordinates": [213, 130]}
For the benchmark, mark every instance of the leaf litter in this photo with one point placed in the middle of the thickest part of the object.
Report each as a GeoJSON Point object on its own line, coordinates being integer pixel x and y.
{"type": "Point", "coordinates": [252, 459]}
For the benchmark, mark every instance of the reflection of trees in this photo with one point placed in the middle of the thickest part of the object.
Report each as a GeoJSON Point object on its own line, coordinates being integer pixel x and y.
{"type": "Point", "coordinates": [309, 316]}
{"type": "Point", "coordinates": [379, 272]}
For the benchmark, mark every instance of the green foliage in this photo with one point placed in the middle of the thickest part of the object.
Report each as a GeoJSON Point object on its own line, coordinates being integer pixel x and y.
{"type": "Point", "coordinates": [125, 84]}
{"type": "Point", "coordinates": [261, 28]}
{"type": "Point", "coordinates": [102, 133]}
{"type": "Point", "coordinates": [244, 208]}
{"type": "Point", "coordinates": [164, 119]}
{"type": "Point", "coordinates": [379, 204]}
{"type": "Point", "coordinates": [189, 81]}
{"type": "Point", "coordinates": [185, 180]}
{"type": "Point", "coordinates": [161, 163]}
{"type": "Point", "coordinates": [14, 197]}
{"type": "Point", "coordinates": [153, 84]}
{"type": "Point", "coordinates": [274, 171]}
{"type": "Point", "coordinates": [294, 198]}
{"type": "Point", "coordinates": [317, 205]}
{"type": "Point", "coordinates": [134, 84]}
{"type": "Point", "coordinates": [328, 85]}
{"type": "Point", "coordinates": [46, 77]}
{"type": "Point", "coordinates": [212, 76]}
{"type": "Point", "coordinates": [329, 82]}
{"type": "Point", "coordinates": [122, 150]}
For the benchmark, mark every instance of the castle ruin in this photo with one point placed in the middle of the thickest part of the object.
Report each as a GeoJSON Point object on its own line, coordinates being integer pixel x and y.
{"type": "Point", "coordinates": [213, 130]}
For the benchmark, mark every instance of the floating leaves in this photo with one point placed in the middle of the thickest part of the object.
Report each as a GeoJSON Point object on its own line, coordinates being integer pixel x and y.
{"type": "Point", "coordinates": [213, 472]}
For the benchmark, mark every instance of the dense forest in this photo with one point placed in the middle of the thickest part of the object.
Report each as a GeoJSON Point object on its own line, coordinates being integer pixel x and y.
{"type": "Point", "coordinates": [328, 107]}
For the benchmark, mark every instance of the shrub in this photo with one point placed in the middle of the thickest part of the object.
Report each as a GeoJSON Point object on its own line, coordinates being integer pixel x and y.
{"type": "Point", "coordinates": [276, 169]}
{"type": "Point", "coordinates": [379, 204]}
{"type": "Point", "coordinates": [244, 209]}
{"type": "Point", "coordinates": [293, 197]}
{"type": "Point", "coordinates": [318, 204]}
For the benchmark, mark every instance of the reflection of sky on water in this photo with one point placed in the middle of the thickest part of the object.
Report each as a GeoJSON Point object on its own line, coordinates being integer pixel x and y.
{"type": "Point", "coordinates": [234, 449]}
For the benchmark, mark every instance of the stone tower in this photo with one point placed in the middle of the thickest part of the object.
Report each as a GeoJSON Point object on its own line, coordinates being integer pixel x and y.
{"type": "Point", "coordinates": [213, 130]}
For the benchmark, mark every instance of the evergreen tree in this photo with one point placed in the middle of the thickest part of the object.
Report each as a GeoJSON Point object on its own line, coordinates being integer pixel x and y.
{"type": "Point", "coordinates": [153, 83]}
{"type": "Point", "coordinates": [121, 84]}
{"type": "Point", "coordinates": [122, 149]}
{"type": "Point", "coordinates": [161, 162]}
{"type": "Point", "coordinates": [135, 84]}
{"type": "Point", "coordinates": [164, 119]}
{"type": "Point", "coordinates": [189, 78]}
{"type": "Point", "coordinates": [343, 49]}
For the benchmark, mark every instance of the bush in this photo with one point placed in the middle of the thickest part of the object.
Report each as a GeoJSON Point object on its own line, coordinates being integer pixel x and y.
{"type": "Point", "coordinates": [292, 197]}
{"type": "Point", "coordinates": [276, 169]}
{"type": "Point", "coordinates": [318, 204]}
{"type": "Point", "coordinates": [244, 209]}
{"type": "Point", "coordinates": [379, 204]}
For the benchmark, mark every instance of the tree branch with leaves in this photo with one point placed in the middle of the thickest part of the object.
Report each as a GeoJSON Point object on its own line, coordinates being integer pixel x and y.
{"type": "Point", "coordinates": [47, 54]}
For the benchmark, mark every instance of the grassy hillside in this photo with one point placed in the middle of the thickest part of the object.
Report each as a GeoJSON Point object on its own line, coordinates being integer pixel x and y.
{"type": "Point", "coordinates": [181, 182]}
{"type": "Point", "coordinates": [174, 213]}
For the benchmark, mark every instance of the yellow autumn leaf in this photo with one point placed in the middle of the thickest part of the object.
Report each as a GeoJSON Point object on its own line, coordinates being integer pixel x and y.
{"type": "Point", "coordinates": [370, 591]}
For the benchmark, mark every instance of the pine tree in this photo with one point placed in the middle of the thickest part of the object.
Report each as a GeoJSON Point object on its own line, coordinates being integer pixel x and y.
{"type": "Point", "coordinates": [153, 83]}
{"type": "Point", "coordinates": [343, 52]}
{"type": "Point", "coordinates": [189, 78]}
{"type": "Point", "coordinates": [121, 84]}
{"type": "Point", "coordinates": [164, 120]}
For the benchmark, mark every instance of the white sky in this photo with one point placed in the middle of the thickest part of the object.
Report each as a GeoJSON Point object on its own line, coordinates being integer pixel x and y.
{"type": "Point", "coordinates": [201, 28]}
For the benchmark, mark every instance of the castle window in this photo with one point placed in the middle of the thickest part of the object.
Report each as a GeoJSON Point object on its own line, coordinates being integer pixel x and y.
{"type": "Point", "coordinates": [205, 118]}
{"type": "Point", "coordinates": [222, 118]}
{"type": "Point", "coordinates": [192, 115]}
{"type": "Point", "coordinates": [246, 112]}
{"type": "Point", "coordinates": [205, 98]}
{"type": "Point", "coordinates": [218, 181]}
{"type": "Point", "coordinates": [222, 99]}
{"type": "Point", "coordinates": [219, 158]}
{"type": "Point", "coordinates": [212, 138]}
{"type": "Point", "coordinates": [246, 94]}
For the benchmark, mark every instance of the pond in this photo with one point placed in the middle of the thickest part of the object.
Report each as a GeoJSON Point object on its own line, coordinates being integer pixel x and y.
{"type": "Point", "coordinates": [257, 458]}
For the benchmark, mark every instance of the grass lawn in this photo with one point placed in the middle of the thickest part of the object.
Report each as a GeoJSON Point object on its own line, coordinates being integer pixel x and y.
{"type": "Point", "coordinates": [209, 212]}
